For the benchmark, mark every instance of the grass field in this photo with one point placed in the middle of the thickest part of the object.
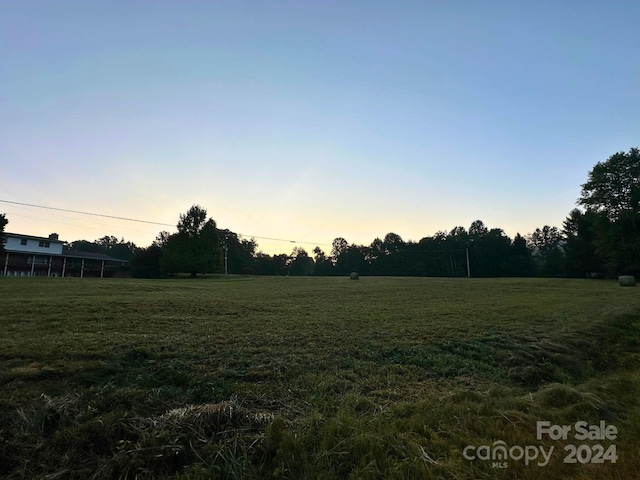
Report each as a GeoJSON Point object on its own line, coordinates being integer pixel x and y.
{"type": "Point", "coordinates": [323, 378]}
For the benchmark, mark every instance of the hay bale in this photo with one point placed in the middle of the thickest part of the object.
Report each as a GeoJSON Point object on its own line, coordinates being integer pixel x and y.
{"type": "Point", "coordinates": [354, 276]}
{"type": "Point", "coordinates": [212, 417]}
{"type": "Point", "coordinates": [627, 281]}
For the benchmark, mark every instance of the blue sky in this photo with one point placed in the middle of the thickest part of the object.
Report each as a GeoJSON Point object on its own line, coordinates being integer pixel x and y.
{"type": "Point", "coordinates": [309, 120]}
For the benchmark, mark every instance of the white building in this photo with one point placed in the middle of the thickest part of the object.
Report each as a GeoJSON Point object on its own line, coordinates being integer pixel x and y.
{"type": "Point", "coordinates": [29, 256]}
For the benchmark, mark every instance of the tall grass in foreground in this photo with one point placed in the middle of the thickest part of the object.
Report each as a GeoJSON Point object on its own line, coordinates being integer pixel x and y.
{"type": "Point", "coordinates": [311, 377]}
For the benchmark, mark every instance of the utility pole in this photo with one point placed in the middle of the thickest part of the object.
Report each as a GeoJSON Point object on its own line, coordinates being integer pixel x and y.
{"type": "Point", "coordinates": [468, 266]}
{"type": "Point", "coordinates": [226, 261]}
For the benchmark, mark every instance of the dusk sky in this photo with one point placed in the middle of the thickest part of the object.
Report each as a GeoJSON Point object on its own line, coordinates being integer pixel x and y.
{"type": "Point", "coordinates": [309, 120]}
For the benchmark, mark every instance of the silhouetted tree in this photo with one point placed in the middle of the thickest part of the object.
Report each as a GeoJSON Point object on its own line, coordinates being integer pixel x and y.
{"type": "Point", "coordinates": [489, 250]}
{"type": "Point", "coordinates": [338, 246]}
{"type": "Point", "coordinates": [458, 237]}
{"type": "Point", "coordinates": [323, 264]}
{"type": "Point", "coordinates": [520, 263]}
{"type": "Point", "coordinates": [580, 230]}
{"type": "Point", "coordinates": [374, 256]}
{"type": "Point", "coordinates": [195, 248]}
{"type": "Point", "coordinates": [392, 243]}
{"type": "Point", "coordinates": [300, 263]}
{"type": "Point", "coordinates": [613, 186]}
{"type": "Point", "coordinates": [161, 239]}
{"type": "Point", "coordinates": [240, 252]}
{"type": "Point", "coordinates": [387, 256]}
{"type": "Point", "coordinates": [611, 197]}
{"type": "Point", "coordinates": [86, 246]}
{"type": "Point", "coordinates": [546, 247]}
{"type": "Point", "coordinates": [478, 229]}
{"type": "Point", "coordinates": [281, 263]}
{"type": "Point", "coordinates": [264, 264]}
{"type": "Point", "coordinates": [146, 262]}
{"type": "Point", "coordinates": [115, 248]}
{"type": "Point", "coordinates": [616, 242]}
{"type": "Point", "coordinates": [496, 253]}
{"type": "Point", "coordinates": [352, 259]}
{"type": "Point", "coordinates": [107, 241]}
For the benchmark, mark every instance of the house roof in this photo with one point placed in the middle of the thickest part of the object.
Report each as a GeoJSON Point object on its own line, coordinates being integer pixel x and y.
{"type": "Point", "coordinates": [31, 237]}
{"type": "Point", "coordinates": [88, 255]}
{"type": "Point", "coordinates": [66, 252]}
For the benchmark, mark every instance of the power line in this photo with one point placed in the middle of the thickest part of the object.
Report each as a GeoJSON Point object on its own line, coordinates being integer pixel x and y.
{"type": "Point", "coordinates": [86, 213]}
{"type": "Point", "coordinates": [146, 221]}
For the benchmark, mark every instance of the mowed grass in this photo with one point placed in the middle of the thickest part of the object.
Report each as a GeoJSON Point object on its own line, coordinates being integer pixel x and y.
{"type": "Point", "coordinates": [323, 378]}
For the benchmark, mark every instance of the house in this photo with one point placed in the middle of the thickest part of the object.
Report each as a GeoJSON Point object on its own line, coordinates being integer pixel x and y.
{"type": "Point", "coordinates": [29, 256]}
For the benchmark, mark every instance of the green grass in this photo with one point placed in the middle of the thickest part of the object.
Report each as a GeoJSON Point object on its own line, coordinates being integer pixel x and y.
{"type": "Point", "coordinates": [327, 378]}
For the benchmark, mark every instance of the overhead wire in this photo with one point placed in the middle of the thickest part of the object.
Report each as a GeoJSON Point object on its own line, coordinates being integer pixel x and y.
{"type": "Point", "coordinates": [115, 217]}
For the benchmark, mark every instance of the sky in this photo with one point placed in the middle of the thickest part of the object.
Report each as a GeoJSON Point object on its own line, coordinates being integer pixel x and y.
{"type": "Point", "coordinates": [309, 120]}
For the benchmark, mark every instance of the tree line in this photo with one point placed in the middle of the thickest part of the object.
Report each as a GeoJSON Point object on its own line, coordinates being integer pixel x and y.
{"type": "Point", "coordinates": [600, 238]}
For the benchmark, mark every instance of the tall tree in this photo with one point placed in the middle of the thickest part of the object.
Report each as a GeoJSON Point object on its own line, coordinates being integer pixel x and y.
{"type": "Point", "coordinates": [338, 246]}
{"type": "Point", "coordinates": [613, 186]}
{"type": "Point", "coordinates": [300, 263]}
{"type": "Point", "coordinates": [323, 264]}
{"type": "Point", "coordinates": [195, 248]}
{"type": "Point", "coordinates": [521, 263]}
{"type": "Point", "coordinates": [478, 229]}
{"type": "Point", "coordinates": [611, 196]}
{"type": "Point", "coordinates": [161, 239]}
{"type": "Point", "coordinates": [375, 257]}
{"type": "Point", "coordinates": [435, 257]}
{"type": "Point", "coordinates": [240, 252]}
{"type": "Point", "coordinates": [459, 237]}
{"type": "Point", "coordinates": [489, 250]}
{"type": "Point", "coordinates": [545, 240]}
{"type": "Point", "coordinates": [394, 259]}
{"type": "Point", "coordinates": [579, 230]}
{"type": "Point", "coordinates": [352, 259]}
{"type": "Point", "coordinates": [392, 242]}
{"type": "Point", "coordinates": [545, 244]}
